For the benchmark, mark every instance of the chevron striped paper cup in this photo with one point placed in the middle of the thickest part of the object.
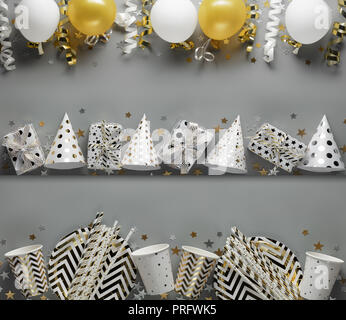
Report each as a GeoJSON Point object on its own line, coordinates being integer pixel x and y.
{"type": "Point", "coordinates": [196, 265]}
{"type": "Point", "coordinates": [154, 266]}
{"type": "Point", "coordinates": [27, 265]}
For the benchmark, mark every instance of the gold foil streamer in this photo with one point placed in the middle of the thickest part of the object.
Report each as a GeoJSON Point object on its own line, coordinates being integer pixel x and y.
{"type": "Point", "coordinates": [6, 52]}
{"type": "Point", "coordinates": [63, 37]}
{"type": "Point", "coordinates": [295, 44]}
{"type": "Point", "coordinates": [248, 35]}
{"type": "Point", "coordinates": [342, 5]}
{"type": "Point", "coordinates": [92, 41]}
{"type": "Point", "coordinates": [248, 32]}
{"type": "Point", "coordinates": [332, 54]}
{"type": "Point", "coordinates": [187, 45]}
{"type": "Point", "coordinates": [36, 45]}
{"type": "Point", "coordinates": [146, 24]}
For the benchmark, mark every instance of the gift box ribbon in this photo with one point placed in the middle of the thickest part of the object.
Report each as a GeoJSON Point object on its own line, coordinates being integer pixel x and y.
{"type": "Point", "coordinates": [108, 147]}
{"type": "Point", "coordinates": [23, 150]}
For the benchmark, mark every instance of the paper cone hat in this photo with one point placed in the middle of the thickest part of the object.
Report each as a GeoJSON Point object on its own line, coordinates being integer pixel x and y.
{"type": "Point", "coordinates": [228, 155]}
{"type": "Point", "coordinates": [322, 154]}
{"type": "Point", "coordinates": [141, 154]}
{"type": "Point", "coordinates": [65, 152]}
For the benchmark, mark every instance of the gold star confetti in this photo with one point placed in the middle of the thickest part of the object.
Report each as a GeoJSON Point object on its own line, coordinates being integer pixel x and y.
{"type": "Point", "coordinates": [305, 232]}
{"type": "Point", "coordinates": [128, 114]}
{"type": "Point", "coordinates": [94, 174]}
{"type": "Point", "coordinates": [121, 172]}
{"type": "Point", "coordinates": [318, 246]}
{"type": "Point", "coordinates": [139, 23]}
{"type": "Point", "coordinates": [43, 298]}
{"type": "Point", "coordinates": [144, 237]}
{"type": "Point", "coordinates": [160, 131]}
{"type": "Point", "coordinates": [301, 132]}
{"type": "Point", "coordinates": [226, 41]}
{"type": "Point", "coordinates": [41, 123]}
{"type": "Point", "coordinates": [321, 49]}
{"type": "Point", "coordinates": [80, 133]}
{"type": "Point", "coordinates": [344, 121]}
{"type": "Point", "coordinates": [197, 172]}
{"type": "Point", "coordinates": [208, 298]}
{"type": "Point", "coordinates": [78, 35]}
{"type": "Point", "coordinates": [263, 172]}
{"type": "Point", "coordinates": [281, 27]}
{"type": "Point", "coordinates": [193, 234]}
{"type": "Point", "coordinates": [164, 296]}
{"type": "Point", "coordinates": [175, 250]}
{"type": "Point", "coordinates": [266, 4]}
{"type": "Point", "coordinates": [224, 120]}
{"type": "Point", "coordinates": [228, 56]}
{"type": "Point", "coordinates": [167, 173]}
{"type": "Point", "coordinates": [253, 60]}
{"type": "Point", "coordinates": [9, 295]}
{"type": "Point", "coordinates": [343, 148]}
{"type": "Point", "coordinates": [307, 62]}
{"type": "Point", "coordinates": [256, 166]}
{"type": "Point", "coordinates": [219, 252]}
{"type": "Point", "coordinates": [258, 45]}
{"type": "Point", "coordinates": [189, 60]}
{"type": "Point", "coordinates": [32, 237]}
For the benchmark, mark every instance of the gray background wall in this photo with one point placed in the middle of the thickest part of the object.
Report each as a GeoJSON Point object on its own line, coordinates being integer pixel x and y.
{"type": "Point", "coordinates": [162, 83]}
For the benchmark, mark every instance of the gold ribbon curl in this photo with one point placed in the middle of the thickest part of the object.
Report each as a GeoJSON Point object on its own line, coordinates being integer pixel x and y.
{"type": "Point", "coordinates": [293, 43]}
{"type": "Point", "coordinates": [146, 24]}
{"type": "Point", "coordinates": [187, 45]}
{"type": "Point", "coordinates": [249, 30]}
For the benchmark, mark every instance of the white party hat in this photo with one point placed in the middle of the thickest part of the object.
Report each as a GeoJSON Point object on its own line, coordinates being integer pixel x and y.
{"type": "Point", "coordinates": [228, 155]}
{"type": "Point", "coordinates": [65, 152]}
{"type": "Point", "coordinates": [322, 154]}
{"type": "Point", "coordinates": [141, 154]}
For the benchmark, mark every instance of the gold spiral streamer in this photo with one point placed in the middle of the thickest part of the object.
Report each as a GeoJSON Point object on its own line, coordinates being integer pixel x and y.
{"type": "Point", "coordinates": [62, 35]}
{"type": "Point", "coordinates": [249, 30]}
{"type": "Point", "coordinates": [187, 45]}
{"type": "Point", "coordinates": [146, 24]}
{"type": "Point", "coordinates": [342, 5]}
{"type": "Point", "coordinates": [293, 43]}
{"type": "Point", "coordinates": [332, 54]}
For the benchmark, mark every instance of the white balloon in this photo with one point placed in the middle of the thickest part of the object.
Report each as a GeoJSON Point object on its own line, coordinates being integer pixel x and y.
{"type": "Point", "coordinates": [37, 20]}
{"type": "Point", "coordinates": [174, 20]}
{"type": "Point", "coordinates": [308, 21]}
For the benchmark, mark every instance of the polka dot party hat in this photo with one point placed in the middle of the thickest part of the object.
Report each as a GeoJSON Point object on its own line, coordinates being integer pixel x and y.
{"type": "Point", "coordinates": [141, 154]}
{"type": "Point", "coordinates": [322, 154]}
{"type": "Point", "coordinates": [228, 155]}
{"type": "Point", "coordinates": [65, 152]}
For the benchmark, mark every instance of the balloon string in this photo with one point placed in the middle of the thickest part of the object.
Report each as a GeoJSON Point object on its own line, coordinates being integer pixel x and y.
{"type": "Point", "coordinates": [201, 52]}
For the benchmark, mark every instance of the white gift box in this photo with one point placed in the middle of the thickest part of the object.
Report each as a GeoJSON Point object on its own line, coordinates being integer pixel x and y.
{"type": "Point", "coordinates": [320, 274]}
{"type": "Point", "coordinates": [277, 147]}
{"type": "Point", "coordinates": [154, 266]}
{"type": "Point", "coordinates": [104, 146]}
{"type": "Point", "coordinates": [187, 144]}
{"type": "Point", "coordinates": [24, 149]}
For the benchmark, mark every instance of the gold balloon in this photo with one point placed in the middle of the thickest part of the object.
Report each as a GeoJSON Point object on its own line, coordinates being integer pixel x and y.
{"type": "Point", "coordinates": [221, 19]}
{"type": "Point", "coordinates": [91, 17]}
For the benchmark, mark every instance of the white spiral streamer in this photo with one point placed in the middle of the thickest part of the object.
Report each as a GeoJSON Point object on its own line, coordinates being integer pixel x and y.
{"type": "Point", "coordinates": [127, 21]}
{"type": "Point", "coordinates": [272, 27]}
{"type": "Point", "coordinates": [6, 52]}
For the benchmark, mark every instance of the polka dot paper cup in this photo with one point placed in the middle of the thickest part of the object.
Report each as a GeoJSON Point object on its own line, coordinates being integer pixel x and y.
{"type": "Point", "coordinates": [320, 274]}
{"type": "Point", "coordinates": [154, 266]}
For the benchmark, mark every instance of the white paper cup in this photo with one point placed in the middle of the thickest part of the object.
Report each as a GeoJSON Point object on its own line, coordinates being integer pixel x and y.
{"type": "Point", "coordinates": [196, 265]}
{"type": "Point", "coordinates": [27, 265]}
{"type": "Point", "coordinates": [154, 266]}
{"type": "Point", "coordinates": [320, 274]}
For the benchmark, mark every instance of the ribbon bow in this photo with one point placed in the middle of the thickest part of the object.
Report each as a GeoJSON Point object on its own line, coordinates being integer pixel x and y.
{"type": "Point", "coordinates": [19, 146]}
{"type": "Point", "coordinates": [109, 147]}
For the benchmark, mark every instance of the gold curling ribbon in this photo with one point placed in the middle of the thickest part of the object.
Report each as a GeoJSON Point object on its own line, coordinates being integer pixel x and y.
{"type": "Point", "coordinates": [187, 45]}
{"type": "Point", "coordinates": [252, 10]}
{"type": "Point", "coordinates": [342, 5]}
{"type": "Point", "coordinates": [62, 36]}
{"type": "Point", "coordinates": [295, 44]}
{"type": "Point", "coordinates": [146, 24]}
{"type": "Point", "coordinates": [248, 34]}
{"type": "Point", "coordinates": [36, 45]}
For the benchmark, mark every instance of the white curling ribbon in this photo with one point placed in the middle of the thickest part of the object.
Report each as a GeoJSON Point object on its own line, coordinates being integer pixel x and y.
{"type": "Point", "coordinates": [126, 20]}
{"type": "Point", "coordinates": [201, 53]}
{"type": "Point", "coordinates": [272, 27]}
{"type": "Point", "coordinates": [6, 53]}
